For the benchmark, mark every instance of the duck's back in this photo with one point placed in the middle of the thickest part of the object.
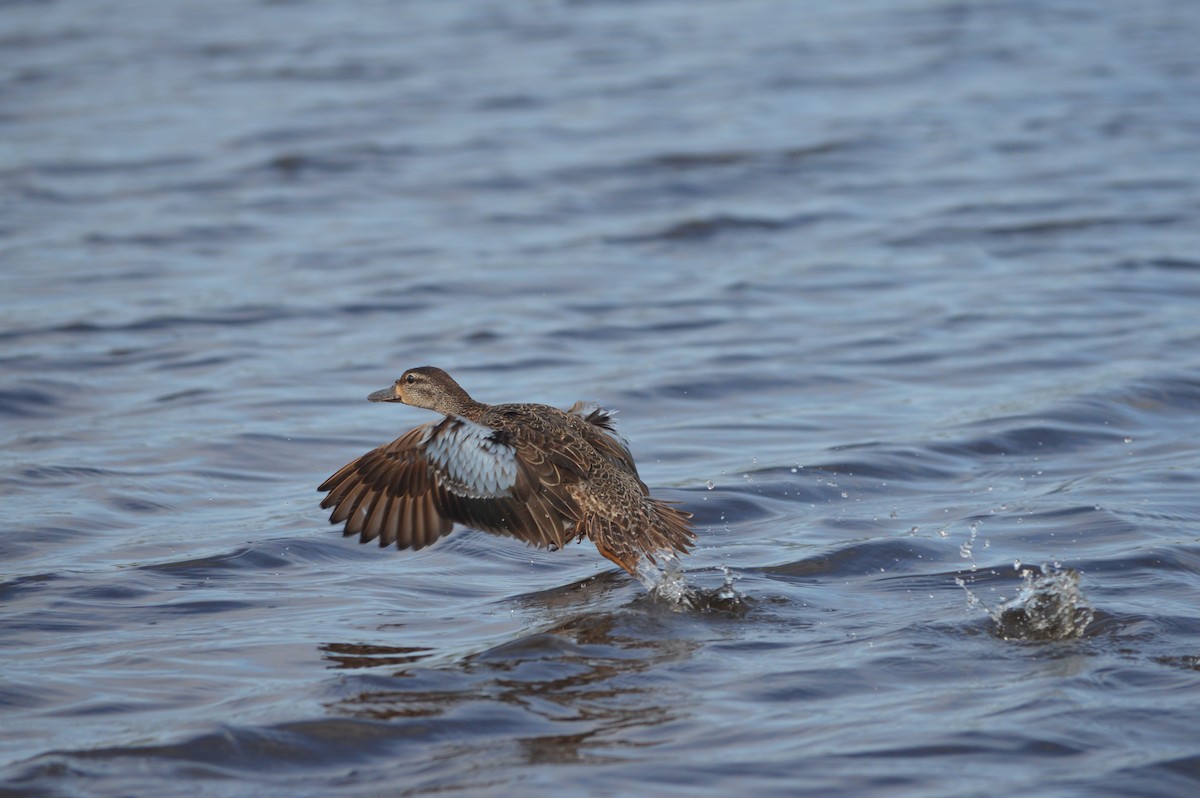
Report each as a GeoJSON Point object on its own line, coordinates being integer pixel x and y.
{"type": "Point", "coordinates": [615, 509]}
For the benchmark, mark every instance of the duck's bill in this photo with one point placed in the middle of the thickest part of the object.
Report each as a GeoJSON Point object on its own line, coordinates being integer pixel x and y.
{"type": "Point", "coordinates": [388, 394]}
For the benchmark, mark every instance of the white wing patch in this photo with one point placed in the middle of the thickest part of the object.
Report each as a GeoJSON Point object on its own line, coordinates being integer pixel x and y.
{"type": "Point", "coordinates": [469, 461]}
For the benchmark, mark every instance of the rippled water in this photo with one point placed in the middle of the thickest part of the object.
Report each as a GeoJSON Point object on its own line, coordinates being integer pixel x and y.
{"type": "Point", "coordinates": [901, 299]}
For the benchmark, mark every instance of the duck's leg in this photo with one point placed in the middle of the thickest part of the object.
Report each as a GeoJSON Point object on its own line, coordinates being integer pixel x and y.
{"type": "Point", "coordinates": [630, 566]}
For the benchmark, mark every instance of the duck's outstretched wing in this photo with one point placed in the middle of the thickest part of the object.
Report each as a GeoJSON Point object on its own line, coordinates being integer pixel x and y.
{"type": "Point", "coordinates": [412, 490]}
{"type": "Point", "coordinates": [389, 493]}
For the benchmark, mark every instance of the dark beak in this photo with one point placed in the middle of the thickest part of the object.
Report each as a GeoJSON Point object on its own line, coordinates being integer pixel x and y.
{"type": "Point", "coordinates": [388, 394]}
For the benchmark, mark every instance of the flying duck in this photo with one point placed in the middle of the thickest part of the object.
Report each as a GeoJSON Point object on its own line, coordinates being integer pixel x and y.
{"type": "Point", "coordinates": [534, 472]}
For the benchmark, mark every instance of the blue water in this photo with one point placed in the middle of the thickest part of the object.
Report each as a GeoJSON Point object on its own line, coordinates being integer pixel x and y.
{"type": "Point", "coordinates": [901, 299]}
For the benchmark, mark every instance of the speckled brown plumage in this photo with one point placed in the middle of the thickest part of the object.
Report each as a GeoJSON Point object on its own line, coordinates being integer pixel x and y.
{"type": "Point", "coordinates": [535, 472]}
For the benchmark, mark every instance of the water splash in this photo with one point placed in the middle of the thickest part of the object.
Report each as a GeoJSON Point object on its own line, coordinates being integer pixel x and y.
{"type": "Point", "coordinates": [666, 583]}
{"type": "Point", "coordinates": [1049, 605]}
{"type": "Point", "coordinates": [663, 578]}
{"type": "Point", "coordinates": [967, 549]}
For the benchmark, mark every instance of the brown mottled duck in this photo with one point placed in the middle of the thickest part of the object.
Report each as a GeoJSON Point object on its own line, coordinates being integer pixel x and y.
{"type": "Point", "coordinates": [534, 472]}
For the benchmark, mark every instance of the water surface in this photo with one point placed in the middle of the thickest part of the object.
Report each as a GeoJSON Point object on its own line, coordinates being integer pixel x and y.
{"type": "Point", "coordinates": [901, 299]}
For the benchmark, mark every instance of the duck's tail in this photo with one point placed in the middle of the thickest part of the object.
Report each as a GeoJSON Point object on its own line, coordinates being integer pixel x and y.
{"type": "Point", "coordinates": [664, 531]}
{"type": "Point", "coordinates": [673, 526]}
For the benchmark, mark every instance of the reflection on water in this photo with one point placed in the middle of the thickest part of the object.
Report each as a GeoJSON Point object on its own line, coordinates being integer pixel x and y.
{"type": "Point", "coordinates": [362, 655]}
{"type": "Point", "coordinates": [580, 676]}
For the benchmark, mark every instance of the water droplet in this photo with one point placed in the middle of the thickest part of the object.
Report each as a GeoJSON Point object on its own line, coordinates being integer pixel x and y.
{"type": "Point", "coordinates": [709, 485]}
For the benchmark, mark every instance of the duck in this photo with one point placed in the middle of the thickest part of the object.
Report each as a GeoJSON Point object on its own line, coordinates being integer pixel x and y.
{"type": "Point", "coordinates": [530, 471]}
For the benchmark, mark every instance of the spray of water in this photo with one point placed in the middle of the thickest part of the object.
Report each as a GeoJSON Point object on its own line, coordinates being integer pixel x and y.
{"type": "Point", "coordinates": [1049, 605]}
{"type": "Point", "coordinates": [666, 583]}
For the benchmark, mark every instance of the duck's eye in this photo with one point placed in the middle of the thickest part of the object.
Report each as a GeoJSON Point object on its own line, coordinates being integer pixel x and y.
{"type": "Point", "coordinates": [410, 379]}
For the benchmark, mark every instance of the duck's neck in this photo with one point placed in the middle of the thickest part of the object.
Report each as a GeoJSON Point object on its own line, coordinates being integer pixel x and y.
{"type": "Point", "coordinates": [456, 402]}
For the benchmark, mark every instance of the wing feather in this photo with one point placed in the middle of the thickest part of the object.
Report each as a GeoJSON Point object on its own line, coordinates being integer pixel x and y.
{"type": "Point", "coordinates": [412, 490]}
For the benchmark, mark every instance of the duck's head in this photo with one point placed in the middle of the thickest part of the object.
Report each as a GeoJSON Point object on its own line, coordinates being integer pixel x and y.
{"type": "Point", "coordinates": [428, 387]}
